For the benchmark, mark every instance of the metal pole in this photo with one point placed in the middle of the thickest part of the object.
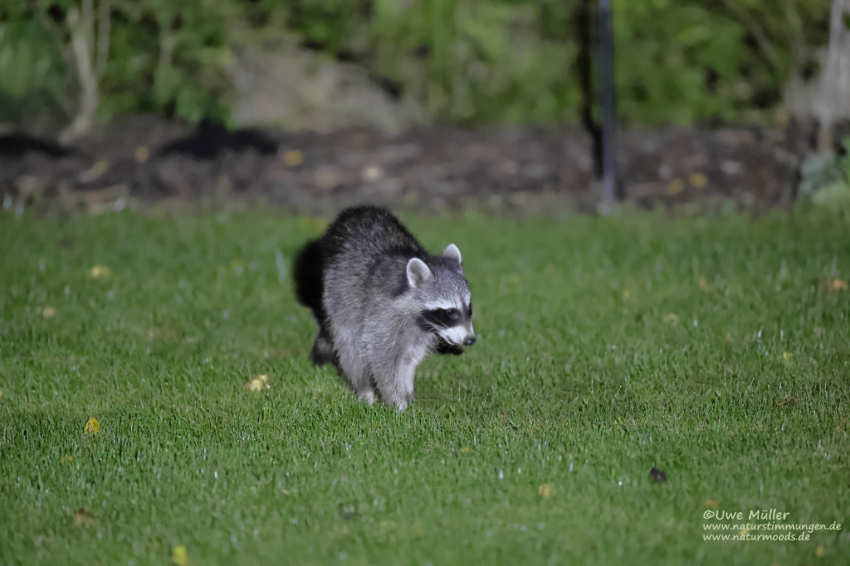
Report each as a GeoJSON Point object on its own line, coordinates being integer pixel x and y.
{"type": "Point", "coordinates": [608, 102]}
{"type": "Point", "coordinates": [831, 79]}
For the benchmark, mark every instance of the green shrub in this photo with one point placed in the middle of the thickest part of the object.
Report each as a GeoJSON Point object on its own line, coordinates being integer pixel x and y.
{"type": "Point", "coordinates": [170, 57]}
{"type": "Point", "coordinates": [825, 179]}
{"type": "Point", "coordinates": [33, 76]}
{"type": "Point", "coordinates": [683, 61]}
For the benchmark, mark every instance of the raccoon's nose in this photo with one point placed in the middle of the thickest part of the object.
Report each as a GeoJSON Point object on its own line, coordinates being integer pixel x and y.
{"type": "Point", "coordinates": [469, 341]}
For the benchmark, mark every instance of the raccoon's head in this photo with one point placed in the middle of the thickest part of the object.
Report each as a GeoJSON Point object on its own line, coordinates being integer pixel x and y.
{"type": "Point", "coordinates": [442, 296]}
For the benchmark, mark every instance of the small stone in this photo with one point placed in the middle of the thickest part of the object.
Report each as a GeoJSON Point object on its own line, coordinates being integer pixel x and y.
{"type": "Point", "coordinates": [731, 167]}
{"type": "Point", "coordinates": [371, 173]}
{"type": "Point", "coordinates": [510, 167]}
{"type": "Point", "coordinates": [326, 178]}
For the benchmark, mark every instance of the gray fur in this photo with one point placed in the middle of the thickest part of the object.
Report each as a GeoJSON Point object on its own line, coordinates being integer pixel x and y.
{"type": "Point", "coordinates": [379, 292]}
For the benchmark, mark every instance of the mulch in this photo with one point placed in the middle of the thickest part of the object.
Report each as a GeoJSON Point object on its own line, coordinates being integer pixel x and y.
{"type": "Point", "coordinates": [146, 162]}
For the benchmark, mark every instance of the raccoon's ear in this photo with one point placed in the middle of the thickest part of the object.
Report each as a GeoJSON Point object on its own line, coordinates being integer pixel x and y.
{"type": "Point", "coordinates": [417, 273]}
{"type": "Point", "coordinates": [452, 252]}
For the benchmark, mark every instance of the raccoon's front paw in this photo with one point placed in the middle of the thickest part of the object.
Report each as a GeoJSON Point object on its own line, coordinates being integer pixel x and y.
{"type": "Point", "coordinates": [406, 400]}
{"type": "Point", "coordinates": [368, 396]}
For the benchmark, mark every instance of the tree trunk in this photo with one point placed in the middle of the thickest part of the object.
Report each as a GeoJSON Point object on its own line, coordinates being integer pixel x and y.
{"type": "Point", "coordinates": [81, 31]}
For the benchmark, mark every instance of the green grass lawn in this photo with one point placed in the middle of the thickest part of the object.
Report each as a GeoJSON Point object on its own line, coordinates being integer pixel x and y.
{"type": "Point", "coordinates": [606, 347]}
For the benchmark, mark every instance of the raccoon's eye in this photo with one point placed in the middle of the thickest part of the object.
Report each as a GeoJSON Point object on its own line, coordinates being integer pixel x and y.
{"type": "Point", "coordinates": [452, 314]}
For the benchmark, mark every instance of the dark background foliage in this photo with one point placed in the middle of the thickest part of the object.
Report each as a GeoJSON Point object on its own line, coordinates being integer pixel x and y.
{"type": "Point", "coordinates": [466, 61]}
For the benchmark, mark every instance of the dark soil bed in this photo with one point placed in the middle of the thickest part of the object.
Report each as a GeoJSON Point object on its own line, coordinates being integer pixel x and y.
{"type": "Point", "coordinates": [526, 169]}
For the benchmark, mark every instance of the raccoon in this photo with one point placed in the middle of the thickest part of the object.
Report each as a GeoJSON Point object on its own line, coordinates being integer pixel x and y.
{"type": "Point", "coordinates": [381, 302]}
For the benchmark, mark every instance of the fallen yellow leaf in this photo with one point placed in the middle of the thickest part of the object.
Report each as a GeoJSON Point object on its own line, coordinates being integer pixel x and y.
{"type": "Point", "coordinates": [671, 318]}
{"type": "Point", "coordinates": [92, 426]}
{"type": "Point", "coordinates": [67, 459]}
{"type": "Point", "coordinates": [710, 503]}
{"type": "Point", "coordinates": [627, 293]}
{"type": "Point", "coordinates": [819, 551]}
{"type": "Point", "coordinates": [698, 180]}
{"type": "Point", "coordinates": [465, 449]}
{"type": "Point", "coordinates": [704, 284]}
{"type": "Point", "coordinates": [142, 154]}
{"type": "Point", "coordinates": [743, 532]}
{"type": "Point", "coordinates": [100, 271]}
{"type": "Point", "coordinates": [83, 518]}
{"type": "Point", "coordinates": [48, 312]}
{"type": "Point", "coordinates": [545, 489]}
{"type": "Point", "coordinates": [258, 383]}
{"type": "Point", "coordinates": [831, 284]}
{"type": "Point", "coordinates": [179, 555]}
{"type": "Point", "coordinates": [786, 402]}
{"type": "Point", "coordinates": [787, 356]}
{"type": "Point", "coordinates": [675, 187]}
{"type": "Point", "coordinates": [293, 157]}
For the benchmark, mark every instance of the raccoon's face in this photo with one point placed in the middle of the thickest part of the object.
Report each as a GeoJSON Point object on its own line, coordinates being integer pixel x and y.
{"type": "Point", "coordinates": [443, 296]}
{"type": "Point", "coordinates": [451, 324]}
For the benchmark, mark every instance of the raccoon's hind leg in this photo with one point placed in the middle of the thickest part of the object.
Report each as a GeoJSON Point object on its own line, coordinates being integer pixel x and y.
{"type": "Point", "coordinates": [323, 351]}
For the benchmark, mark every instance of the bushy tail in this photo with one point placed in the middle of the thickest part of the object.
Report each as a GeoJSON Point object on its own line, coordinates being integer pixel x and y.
{"type": "Point", "coordinates": [309, 267]}
{"type": "Point", "coordinates": [309, 282]}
